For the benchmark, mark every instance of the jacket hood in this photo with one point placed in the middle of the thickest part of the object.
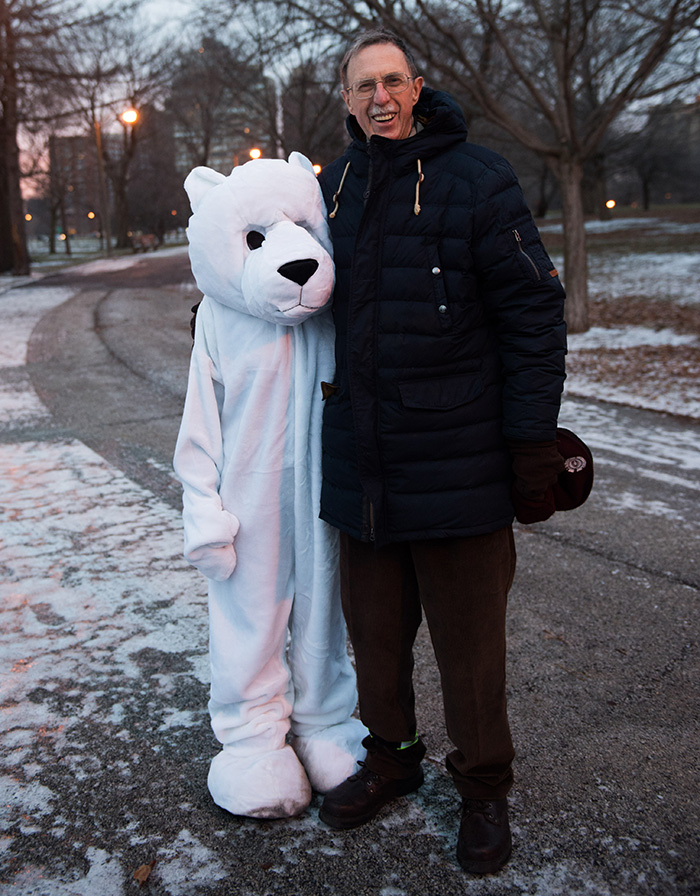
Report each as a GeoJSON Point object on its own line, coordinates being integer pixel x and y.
{"type": "Point", "coordinates": [441, 124]}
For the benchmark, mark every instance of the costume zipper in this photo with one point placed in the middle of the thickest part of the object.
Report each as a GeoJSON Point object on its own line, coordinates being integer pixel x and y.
{"type": "Point", "coordinates": [518, 240]}
{"type": "Point", "coordinates": [371, 521]}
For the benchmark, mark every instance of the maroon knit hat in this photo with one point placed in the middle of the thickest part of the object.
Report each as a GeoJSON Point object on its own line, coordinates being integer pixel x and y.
{"type": "Point", "coordinates": [575, 483]}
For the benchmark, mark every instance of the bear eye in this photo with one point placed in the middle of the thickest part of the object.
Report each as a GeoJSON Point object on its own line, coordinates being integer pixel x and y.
{"type": "Point", "coordinates": [255, 239]}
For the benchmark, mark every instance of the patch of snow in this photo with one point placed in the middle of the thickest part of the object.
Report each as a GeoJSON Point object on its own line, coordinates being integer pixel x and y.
{"type": "Point", "coordinates": [652, 275]}
{"type": "Point", "coordinates": [600, 426]}
{"type": "Point", "coordinates": [106, 265]}
{"type": "Point", "coordinates": [628, 337]}
{"type": "Point", "coordinates": [664, 276]}
{"type": "Point", "coordinates": [657, 224]}
{"type": "Point", "coordinates": [186, 864]}
{"type": "Point", "coordinates": [21, 309]}
{"type": "Point", "coordinates": [670, 398]}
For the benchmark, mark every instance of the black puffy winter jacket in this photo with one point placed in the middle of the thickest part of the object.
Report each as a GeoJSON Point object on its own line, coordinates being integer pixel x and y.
{"type": "Point", "coordinates": [450, 336]}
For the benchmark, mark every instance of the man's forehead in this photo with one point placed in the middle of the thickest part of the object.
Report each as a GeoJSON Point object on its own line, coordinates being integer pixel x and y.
{"type": "Point", "coordinates": [377, 59]}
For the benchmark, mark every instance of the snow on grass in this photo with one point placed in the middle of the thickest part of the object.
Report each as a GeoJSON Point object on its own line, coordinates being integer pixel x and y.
{"type": "Point", "coordinates": [628, 337]}
{"type": "Point", "coordinates": [661, 276]}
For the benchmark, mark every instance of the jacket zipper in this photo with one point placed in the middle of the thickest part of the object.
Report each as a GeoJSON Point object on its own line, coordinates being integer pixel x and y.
{"type": "Point", "coordinates": [371, 521]}
{"type": "Point", "coordinates": [518, 240]}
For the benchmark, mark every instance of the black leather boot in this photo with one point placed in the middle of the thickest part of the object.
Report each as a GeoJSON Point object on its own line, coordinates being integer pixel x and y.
{"type": "Point", "coordinates": [484, 843]}
{"type": "Point", "coordinates": [359, 798]}
{"type": "Point", "coordinates": [388, 772]}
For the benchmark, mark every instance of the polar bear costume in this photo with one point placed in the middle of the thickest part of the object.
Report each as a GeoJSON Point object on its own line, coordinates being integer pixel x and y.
{"type": "Point", "coordinates": [249, 458]}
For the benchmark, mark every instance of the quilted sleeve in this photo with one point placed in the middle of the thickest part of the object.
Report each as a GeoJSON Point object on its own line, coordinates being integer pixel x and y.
{"type": "Point", "coordinates": [525, 301]}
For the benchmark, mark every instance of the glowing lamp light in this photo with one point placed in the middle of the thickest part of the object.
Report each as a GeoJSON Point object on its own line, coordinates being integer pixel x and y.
{"type": "Point", "coordinates": [255, 153]}
{"type": "Point", "coordinates": [129, 116]}
{"type": "Point", "coordinates": [27, 217]}
{"type": "Point", "coordinates": [610, 203]}
{"type": "Point", "coordinates": [173, 212]}
{"type": "Point", "coordinates": [317, 169]}
{"type": "Point", "coordinates": [91, 215]}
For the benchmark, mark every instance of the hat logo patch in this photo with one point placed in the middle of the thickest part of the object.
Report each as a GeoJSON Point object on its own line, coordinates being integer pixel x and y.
{"type": "Point", "coordinates": [574, 464]}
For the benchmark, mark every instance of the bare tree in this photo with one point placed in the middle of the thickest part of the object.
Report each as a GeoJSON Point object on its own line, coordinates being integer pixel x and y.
{"type": "Point", "coordinates": [217, 101]}
{"type": "Point", "coordinates": [156, 195]}
{"type": "Point", "coordinates": [312, 120]}
{"type": "Point", "coordinates": [38, 50]}
{"type": "Point", "coordinates": [554, 74]}
{"type": "Point", "coordinates": [112, 66]}
{"type": "Point", "coordinates": [13, 242]}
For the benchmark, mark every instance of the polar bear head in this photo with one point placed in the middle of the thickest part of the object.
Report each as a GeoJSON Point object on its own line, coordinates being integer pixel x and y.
{"type": "Point", "coordinates": [259, 240]}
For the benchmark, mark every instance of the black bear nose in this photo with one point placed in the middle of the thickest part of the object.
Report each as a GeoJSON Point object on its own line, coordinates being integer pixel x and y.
{"type": "Point", "coordinates": [299, 271]}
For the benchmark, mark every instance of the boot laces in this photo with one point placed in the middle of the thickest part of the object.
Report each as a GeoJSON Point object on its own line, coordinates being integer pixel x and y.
{"type": "Point", "coordinates": [480, 807]}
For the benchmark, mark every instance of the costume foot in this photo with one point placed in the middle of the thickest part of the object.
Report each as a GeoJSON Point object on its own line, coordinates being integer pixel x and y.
{"type": "Point", "coordinates": [331, 754]}
{"type": "Point", "coordinates": [484, 843]}
{"type": "Point", "coordinates": [358, 799]}
{"type": "Point", "coordinates": [267, 785]}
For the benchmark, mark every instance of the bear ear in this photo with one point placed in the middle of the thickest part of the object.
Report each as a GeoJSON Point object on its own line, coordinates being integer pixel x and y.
{"type": "Point", "coordinates": [198, 183]}
{"type": "Point", "coordinates": [297, 158]}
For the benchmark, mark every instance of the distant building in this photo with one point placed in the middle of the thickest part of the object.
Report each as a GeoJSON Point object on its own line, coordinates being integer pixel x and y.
{"type": "Point", "coordinates": [74, 196]}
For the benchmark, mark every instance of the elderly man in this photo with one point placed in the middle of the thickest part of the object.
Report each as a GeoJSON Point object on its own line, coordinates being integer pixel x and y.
{"type": "Point", "coordinates": [450, 362]}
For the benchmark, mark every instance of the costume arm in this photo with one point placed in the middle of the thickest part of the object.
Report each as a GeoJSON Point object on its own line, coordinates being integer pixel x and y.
{"type": "Point", "coordinates": [209, 528]}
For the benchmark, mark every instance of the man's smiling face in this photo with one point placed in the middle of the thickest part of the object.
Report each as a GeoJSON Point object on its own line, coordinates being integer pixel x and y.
{"type": "Point", "coordinates": [384, 114]}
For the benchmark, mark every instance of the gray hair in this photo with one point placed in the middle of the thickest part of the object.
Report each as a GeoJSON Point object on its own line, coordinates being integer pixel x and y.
{"type": "Point", "coordinates": [369, 39]}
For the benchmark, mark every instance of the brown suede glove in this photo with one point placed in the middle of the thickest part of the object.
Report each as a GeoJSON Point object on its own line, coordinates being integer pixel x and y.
{"type": "Point", "coordinates": [536, 467]}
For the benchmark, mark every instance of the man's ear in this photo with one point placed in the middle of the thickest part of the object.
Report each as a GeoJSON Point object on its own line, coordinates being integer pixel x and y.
{"type": "Point", "coordinates": [347, 96]}
{"type": "Point", "coordinates": [198, 183]}
{"type": "Point", "coordinates": [417, 87]}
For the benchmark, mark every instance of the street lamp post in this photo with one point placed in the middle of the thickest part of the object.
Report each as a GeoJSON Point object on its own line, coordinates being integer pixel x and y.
{"type": "Point", "coordinates": [128, 119]}
{"type": "Point", "coordinates": [101, 184]}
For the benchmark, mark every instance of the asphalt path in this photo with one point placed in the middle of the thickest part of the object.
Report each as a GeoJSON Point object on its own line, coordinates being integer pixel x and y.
{"type": "Point", "coordinates": [104, 767]}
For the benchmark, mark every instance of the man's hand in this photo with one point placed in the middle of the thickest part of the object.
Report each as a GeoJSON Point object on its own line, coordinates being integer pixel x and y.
{"type": "Point", "coordinates": [536, 468]}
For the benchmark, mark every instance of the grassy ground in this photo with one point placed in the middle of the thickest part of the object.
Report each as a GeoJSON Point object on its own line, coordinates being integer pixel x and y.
{"type": "Point", "coordinates": [663, 375]}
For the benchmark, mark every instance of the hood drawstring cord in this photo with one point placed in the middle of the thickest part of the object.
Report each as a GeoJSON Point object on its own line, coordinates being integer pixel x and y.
{"type": "Point", "coordinates": [416, 205]}
{"type": "Point", "coordinates": [421, 178]}
{"type": "Point", "coordinates": [336, 195]}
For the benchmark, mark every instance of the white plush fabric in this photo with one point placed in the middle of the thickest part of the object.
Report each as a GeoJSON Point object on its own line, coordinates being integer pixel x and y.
{"type": "Point", "coordinates": [249, 457]}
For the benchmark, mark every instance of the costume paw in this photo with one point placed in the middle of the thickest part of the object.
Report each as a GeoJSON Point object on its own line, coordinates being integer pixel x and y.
{"type": "Point", "coordinates": [331, 754]}
{"type": "Point", "coordinates": [271, 785]}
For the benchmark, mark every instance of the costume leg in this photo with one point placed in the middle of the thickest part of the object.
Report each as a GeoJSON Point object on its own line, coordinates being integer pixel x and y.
{"type": "Point", "coordinates": [326, 738]}
{"type": "Point", "coordinates": [464, 584]}
{"type": "Point", "coordinates": [256, 773]}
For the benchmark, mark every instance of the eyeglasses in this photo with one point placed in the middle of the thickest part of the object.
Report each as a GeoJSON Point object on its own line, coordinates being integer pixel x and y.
{"type": "Point", "coordinates": [396, 82]}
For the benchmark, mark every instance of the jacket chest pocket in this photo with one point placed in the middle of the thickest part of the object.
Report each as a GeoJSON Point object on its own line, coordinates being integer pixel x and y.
{"type": "Point", "coordinates": [443, 393]}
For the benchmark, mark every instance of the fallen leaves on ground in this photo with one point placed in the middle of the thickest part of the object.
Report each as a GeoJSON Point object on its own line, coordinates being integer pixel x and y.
{"type": "Point", "coordinates": [143, 872]}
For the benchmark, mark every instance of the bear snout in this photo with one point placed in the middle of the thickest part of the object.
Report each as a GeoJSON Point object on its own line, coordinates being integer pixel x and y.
{"type": "Point", "coordinates": [299, 271]}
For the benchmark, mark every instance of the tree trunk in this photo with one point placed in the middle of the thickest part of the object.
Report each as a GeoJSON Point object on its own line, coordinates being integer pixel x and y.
{"type": "Point", "coordinates": [121, 216]}
{"type": "Point", "coordinates": [105, 226]}
{"type": "Point", "coordinates": [5, 226]}
{"type": "Point", "coordinates": [543, 195]}
{"type": "Point", "coordinates": [10, 150]}
{"type": "Point", "coordinates": [64, 228]}
{"type": "Point", "coordinates": [53, 224]}
{"type": "Point", "coordinates": [575, 258]}
{"type": "Point", "coordinates": [594, 188]}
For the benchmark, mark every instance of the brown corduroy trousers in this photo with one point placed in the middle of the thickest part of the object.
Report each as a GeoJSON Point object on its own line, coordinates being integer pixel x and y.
{"type": "Point", "coordinates": [461, 585]}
